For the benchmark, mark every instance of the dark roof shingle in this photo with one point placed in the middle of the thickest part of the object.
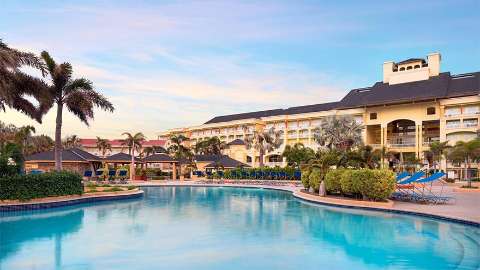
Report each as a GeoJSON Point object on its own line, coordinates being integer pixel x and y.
{"type": "Point", "coordinates": [73, 154]}
{"type": "Point", "coordinates": [227, 163]}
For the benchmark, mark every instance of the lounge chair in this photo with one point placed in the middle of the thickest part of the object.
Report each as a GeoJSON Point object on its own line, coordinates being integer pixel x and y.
{"type": "Point", "coordinates": [111, 176]}
{"type": "Point", "coordinates": [87, 175]}
{"type": "Point", "coordinates": [402, 176]}
{"type": "Point", "coordinates": [405, 187]}
{"type": "Point", "coordinates": [99, 174]}
{"type": "Point", "coordinates": [424, 192]}
{"type": "Point", "coordinates": [122, 176]}
{"type": "Point", "coordinates": [297, 175]}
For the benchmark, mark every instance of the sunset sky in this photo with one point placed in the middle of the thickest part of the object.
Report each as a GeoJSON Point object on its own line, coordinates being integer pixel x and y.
{"type": "Point", "coordinates": [167, 64]}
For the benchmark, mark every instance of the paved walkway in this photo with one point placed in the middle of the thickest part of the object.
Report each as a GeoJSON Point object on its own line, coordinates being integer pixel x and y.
{"type": "Point", "coordinates": [465, 207]}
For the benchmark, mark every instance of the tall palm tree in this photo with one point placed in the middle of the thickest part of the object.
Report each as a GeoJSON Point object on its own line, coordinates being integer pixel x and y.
{"type": "Point", "coordinates": [264, 141]}
{"type": "Point", "coordinates": [103, 145]}
{"type": "Point", "coordinates": [134, 143]}
{"type": "Point", "coordinates": [77, 95]}
{"type": "Point", "coordinates": [16, 86]}
{"type": "Point", "coordinates": [438, 150]}
{"type": "Point", "coordinates": [179, 151]}
{"type": "Point", "coordinates": [340, 132]}
{"type": "Point", "coordinates": [470, 152]}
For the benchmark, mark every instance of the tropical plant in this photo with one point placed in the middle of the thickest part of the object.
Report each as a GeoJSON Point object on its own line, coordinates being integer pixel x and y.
{"type": "Point", "coordinates": [211, 146]}
{"type": "Point", "coordinates": [134, 143]}
{"type": "Point", "coordinates": [23, 135]}
{"type": "Point", "coordinates": [469, 152]}
{"type": "Point", "coordinates": [180, 152]}
{"type": "Point", "coordinates": [11, 159]}
{"type": "Point", "coordinates": [438, 151]}
{"type": "Point", "coordinates": [339, 132]}
{"type": "Point", "coordinates": [264, 141]}
{"type": "Point", "coordinates": [16, 86]}
{"type": "Point", "coordinates": [72, 141]}
{"type": "Point", "coordinates": [298, 154]}
{"type": "Point", "coordinates": [77, 95]}
{"type": "Point", "coordinates": [39, 143]}
{"type": "Point", "coordinates": [103, 145]}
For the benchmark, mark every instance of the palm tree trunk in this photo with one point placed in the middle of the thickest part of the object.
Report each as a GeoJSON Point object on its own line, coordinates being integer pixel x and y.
{"type": "Point", "coordinates": [261, 159]}
{"type": "Point", "coordinates": [132, 166]}
{"type": "Point", "coordinates": [466, 173]}
{"type": "Point", "coordinates": [58, 137]}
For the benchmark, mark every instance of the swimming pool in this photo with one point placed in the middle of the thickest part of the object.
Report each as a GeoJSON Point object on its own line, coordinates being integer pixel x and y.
{"type": "Point", "coordinates": [229, 228]}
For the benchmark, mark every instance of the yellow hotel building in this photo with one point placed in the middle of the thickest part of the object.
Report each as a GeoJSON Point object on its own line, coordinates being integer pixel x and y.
{"type": "Point", "coordinates": [415, 104]}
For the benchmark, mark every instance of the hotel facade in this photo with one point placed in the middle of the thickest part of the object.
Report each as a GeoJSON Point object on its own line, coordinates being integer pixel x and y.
{"type": "Point", "coordinates": [414, 105]}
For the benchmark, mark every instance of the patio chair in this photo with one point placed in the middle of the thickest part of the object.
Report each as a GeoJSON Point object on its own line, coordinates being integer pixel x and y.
{"type": "Point", "coordinates": [87, 175]}
{"type": "Point", "coordinates": [220, 174]}
{"type": "Point", "coordinates": [404, 188]}
{"type": "Point", "coordinates": [244, 175]}
{"type": "Point", "coordinates": [111, 176]}
{"type": "Point", "coordinates": [122, 176]}
{"type": "Point", "coordinates": [423, 190]}
{"type": "Point", "coordinates": [402, 176]}
{"type": "Point", "coordinates": [36, 172]}
{"type": "Point", "coordinates": [297, 175]}
{"type": "Point", "coordinates": [99, 174]}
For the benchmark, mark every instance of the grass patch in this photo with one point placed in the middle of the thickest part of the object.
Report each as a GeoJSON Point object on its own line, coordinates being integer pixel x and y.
{"type": "Point", "coordinates": [131, 187]}
{"type": "Point", "coordinates": [113, 189]}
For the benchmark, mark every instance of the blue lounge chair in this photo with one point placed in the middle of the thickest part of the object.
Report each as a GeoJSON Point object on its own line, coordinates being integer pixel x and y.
{"type": "Point", "coordinates": [425, 192]}
{"type": "Point", "coordinates": [36, 172]}
{"type": "Point", "coordinates": [405, 187]}
{"type": "Point", "coordinates": [402, 176]}
{"type": "Point", "coordinates": [244, 175]}
{"type": "Point", "coordinates": [111, 176]}
{"type": "Point", "coordinates": [99, 174]}
{"type": "Point", "coordinates": [122, 175]}
{"type": "Point", "coordinates": [220, 173]}
{"type": "Point", "coordinates": [412, 178]}
{"type": "Point", "coordinates": [297, 175]}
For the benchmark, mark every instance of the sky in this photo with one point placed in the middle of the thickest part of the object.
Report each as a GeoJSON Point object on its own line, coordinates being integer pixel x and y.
{"type": "Point", "coordinates": [168, 64]}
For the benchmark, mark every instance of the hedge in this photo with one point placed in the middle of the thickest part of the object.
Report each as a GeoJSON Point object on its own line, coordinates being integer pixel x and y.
{"type": "Point", "coordinates": [26, 187]}
{"type": "Point", "coordinates": [263, 173]}
{"type": "Point", "coordinates": [376, 185]}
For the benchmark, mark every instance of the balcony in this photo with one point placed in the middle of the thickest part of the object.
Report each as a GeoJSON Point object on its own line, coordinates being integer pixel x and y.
{"type": "Point", "coordinates": [401, 141]}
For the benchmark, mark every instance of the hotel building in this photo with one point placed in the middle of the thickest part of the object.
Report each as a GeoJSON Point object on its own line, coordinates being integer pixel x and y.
{"type": "Point", "coordinates": [415, 104]}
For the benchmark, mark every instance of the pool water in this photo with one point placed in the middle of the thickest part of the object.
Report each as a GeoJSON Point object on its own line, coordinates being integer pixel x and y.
{"type": "Point", "coordinates": [229, 228]}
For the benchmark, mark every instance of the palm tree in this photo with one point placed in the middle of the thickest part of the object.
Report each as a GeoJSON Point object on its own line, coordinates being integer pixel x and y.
{"type": "Point", "coordinates": [298, 154]}
{"type": "Point", "coordinates": [72, 141]}
{"type": "Point", "coordinates": [77, 95]}
{"type": "Point", "coordinates": [438, 150]}
{"type": "Point", "coordinates": [212, 146]}
{"type": "Point", "coordinates": [470, 152]}
{"type": "Point", "coordinates": [340, 132]}
{"type": "Point", "coordinates": [16, 86]}
{"type": "Point", "coordinates": [133, 142]}
{"type": "Point", "coordinates": [23, 135]}
{"type": "Point", "coordinates": [103, 146]}
{"type": "Point", "coordinates": [179, 151]}
{"type": "Point", "coordinates": [264, 141]}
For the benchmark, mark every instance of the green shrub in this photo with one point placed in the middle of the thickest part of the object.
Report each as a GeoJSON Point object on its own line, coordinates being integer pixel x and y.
{"type": "Point", "coordinates": [332, 180]}
{"type": "Point", "coordinates": [91, 185]}
{"type": "Point", "coordinates": [377, 185]}
{"type": "Point", "coordinates": [305, 178]}
{"type": "Point", "coordinates": [131, 187]}
{"type": "Point", "coordinates": [346, 182]}
{"type": "Point", "coordinates": [26, 187]}
{"type": "Point", "coordinates": [315, 177]}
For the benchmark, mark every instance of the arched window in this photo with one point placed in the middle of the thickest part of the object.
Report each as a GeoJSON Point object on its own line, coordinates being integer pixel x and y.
{"type": "Point", "coordinates": [409, 67]}
{"type": "Point", "coordinates": [416, 66]}
{"type": "Point", "coordinates": [249, 159]}
{"type": "Point", "coordinates": [402, 68]}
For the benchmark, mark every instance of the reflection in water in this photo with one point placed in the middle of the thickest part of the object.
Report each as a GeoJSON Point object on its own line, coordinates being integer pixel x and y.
{"type": "Point", "coordinates": [230, 228]}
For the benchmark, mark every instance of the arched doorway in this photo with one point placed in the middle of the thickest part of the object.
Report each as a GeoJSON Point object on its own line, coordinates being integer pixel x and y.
{"type": "Point", "coordinates": [401, 133]}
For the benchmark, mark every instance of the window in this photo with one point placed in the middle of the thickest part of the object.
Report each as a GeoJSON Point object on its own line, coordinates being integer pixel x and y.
{"type": "Point", "coordinates": [471, 109]}
{"type": "Point", "coordinates": [409, 67]}
{"type": "Point", "coordinates": [417, 66]}
{"type": "Point", "coordinates": [430, 110]}
{"type": "Point", "coordinates": [402, 68]}
{"type": "Point", "coordinates": [453, 124]}
{"type": "Point", "coordinates": [249, 159]}
{"type": "Point", "coordinates": [470, 122]}
{"type": "Point", "coordinates": [275, 158]}
{"type": "Point", "coordinates": [373, 116]}
{"type": "Point", "coordinates": [452, 111]}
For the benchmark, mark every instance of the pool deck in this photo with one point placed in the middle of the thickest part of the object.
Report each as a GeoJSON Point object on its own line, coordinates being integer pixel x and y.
{"type": "Point", "coordinates": [465, 208]}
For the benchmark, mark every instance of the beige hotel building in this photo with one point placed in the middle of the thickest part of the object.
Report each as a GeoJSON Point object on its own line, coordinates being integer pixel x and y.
{"type": "Point", "coordinates": [415, 104]}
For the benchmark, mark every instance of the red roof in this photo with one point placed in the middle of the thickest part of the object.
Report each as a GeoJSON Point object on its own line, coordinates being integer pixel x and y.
{"type": "Point", "coordinates": [118, 142]}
